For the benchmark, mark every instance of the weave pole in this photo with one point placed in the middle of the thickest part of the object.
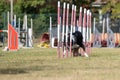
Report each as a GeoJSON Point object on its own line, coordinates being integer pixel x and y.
{"type": "Point", "coordinates": [88, 44]}
{"type": "Point", "coordinates": [87, 38]}
{"type": "Point", "coordinates": [58, 21]}
{"type": "Point", "coordinates": [63, 30]}
{"type": "Point", "coordinates": [90, 25]}
{"type": "Point", "coordinates": [67, 29]}
{"type": "Point", "coordinates": [84, 26]}
{"type": "Point", "coordinates": [71, 29]}
{"type": "Point", "coordinates": [74, 19]}
{"type": "Point", "coordinates": [80, 20]}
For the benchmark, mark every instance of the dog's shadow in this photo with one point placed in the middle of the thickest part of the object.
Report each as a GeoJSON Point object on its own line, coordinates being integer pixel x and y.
{"type": "Point", "coordinates": [12, 71]}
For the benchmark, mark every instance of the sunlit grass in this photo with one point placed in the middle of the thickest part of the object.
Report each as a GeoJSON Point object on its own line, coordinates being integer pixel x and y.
{"type": "Point", "coordinates": [43, 64]}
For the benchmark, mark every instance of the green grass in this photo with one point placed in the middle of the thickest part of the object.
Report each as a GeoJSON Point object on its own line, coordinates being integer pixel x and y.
{"type": "Point", "coordinates": [43, 64]}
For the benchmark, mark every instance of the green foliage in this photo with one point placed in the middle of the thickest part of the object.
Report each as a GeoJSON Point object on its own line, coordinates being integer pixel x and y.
{"type": "Point", "coordinates": [3, 6]}
{"type": "Point", "coordinates": [45, 7]}
{"type": "Point", "coordinates": [115, 9]}
{"type": "Point", "coordinates": [48, 9]}
{"type": "Point", "coordinates": [41, 24]}
{"type": "Point", "coordinates": [17, 7]}
{"type": "Point", "coordinates": [33, 3]}
{"type": "Point", "coordinates": [32, 6]}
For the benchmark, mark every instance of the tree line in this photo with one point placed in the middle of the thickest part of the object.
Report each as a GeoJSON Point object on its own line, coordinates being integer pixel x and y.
{"type": "Point", "coordinates": [41, 9]}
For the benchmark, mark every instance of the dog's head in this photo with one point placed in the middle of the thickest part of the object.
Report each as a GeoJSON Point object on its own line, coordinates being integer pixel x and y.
{"type": "Point", "coordinates": [77, 37]}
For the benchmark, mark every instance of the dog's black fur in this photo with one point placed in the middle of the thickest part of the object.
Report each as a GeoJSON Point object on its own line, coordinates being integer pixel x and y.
{"type": "Point", "coordinates": [77, 40]}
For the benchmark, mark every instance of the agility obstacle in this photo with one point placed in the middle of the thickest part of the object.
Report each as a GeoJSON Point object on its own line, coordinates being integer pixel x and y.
{"type": "Point", "coordinates": [110, 40]}
{"type": "Point", "coordinates": [81, 23]}
{"type": "Point", "coordinates": [14, 34]}
{"type": "Point", "coordinates": [12, 38]}
{"type": "Point", "coordinates": [26, 33]}
{"type": "Point", "coordinates": [53, 34]}
{"type": "Point", "coordinates": [97, 36]}
{"type": "Point", "coordinates": [106, 38]}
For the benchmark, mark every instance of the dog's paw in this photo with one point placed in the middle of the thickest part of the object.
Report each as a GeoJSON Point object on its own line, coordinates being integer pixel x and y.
{"type": "Point", "coordinates": [86, 55]}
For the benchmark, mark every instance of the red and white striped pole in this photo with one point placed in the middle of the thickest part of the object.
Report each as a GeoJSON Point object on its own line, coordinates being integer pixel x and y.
{"type": "Point", "coordinates": [58, 25]}
{"type": "Point", "coordinates": [90, 25]}
{"type": "Point", "coordinates": [80, 20]}
{"type": "Point", "coordinates": [84, 30]}
{"type": "Point", "coordinates": [71, 29]}
{"type": "Point", "coordinates": [88, 44]}
{"type": "Point", "coordinates": [63, 29]}
{"type": "Point", "coordinates": [88, 19]}
{"type": "Point", "coordinates": [67, 18]}
{"type": "Point", "coordinates": [74, 20]}
{"type": "Point", "coordinates": [84, 26]}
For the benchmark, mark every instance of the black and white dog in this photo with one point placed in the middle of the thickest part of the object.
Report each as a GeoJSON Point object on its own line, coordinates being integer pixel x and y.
{"type": "Point", "coordinates": [77, 43]}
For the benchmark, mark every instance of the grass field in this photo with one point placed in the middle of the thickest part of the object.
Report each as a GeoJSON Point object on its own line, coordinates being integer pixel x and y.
{"type": "Point", "coordinates": [43, 64]}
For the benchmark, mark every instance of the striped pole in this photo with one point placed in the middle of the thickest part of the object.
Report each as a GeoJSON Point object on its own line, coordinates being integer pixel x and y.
{"type": "Point", "coordinates": [80, 24]}
{"type": "Point", "coordinates": [63, 29]}
{"type": "Point", "coordinates": [84, 26]}
{"type": "Point", "coordinates": [58, 21]}
{"type": "Point", "coordinates": [71, 29]}
{"type": "Point", "coordinates": [67, 18]}
{"type": "Point", "coordinates": [89, 32]}
{"type": "Point", "coordinates": [80, 20]}
{"type": "Point", "coordinates": [87, 38]}
{"type": "Point", "coordinates": [74, 24]}
{"type": "Point", "coordinates": [90, 25]}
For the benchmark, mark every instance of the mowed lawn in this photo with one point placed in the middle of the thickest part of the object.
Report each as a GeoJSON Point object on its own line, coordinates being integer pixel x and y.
{"type": "Point", "coordinates": [43, 64]}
